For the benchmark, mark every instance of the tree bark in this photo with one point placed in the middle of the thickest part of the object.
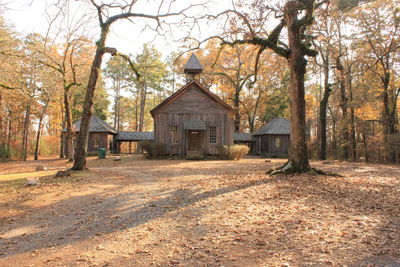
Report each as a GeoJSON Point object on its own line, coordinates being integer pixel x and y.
{"type": "Point", "coordinates": [26, 131]}
{"type": "Point", "coordinates": [298, 154]}
{"type": "Point", "coordinates": [352, 137]}
{"type": "Point", "coordinates": [344, 129]}
{"type": "Point", "coordinates": [62, 135]}
{"type": "Point", "coordinates": [39, 130]}
{"type": "Point", "coordinates": [334, 134]}
{"type": "Point", "coordinates": [142, 106]}
{"type": "Point", "coordinates": [389, 118]}
{"type": "Point", "coordinates": [237, 110]}
{"type": "Point", "coordinates": [9, 129]}
{"type": "Point", "coordinates": [322, 144]}
{"type": "Point", "coordinates": [136, 112]}
{"type": "Point", "coordinates": [365, 141]}
{"type": "Point", "coordinates": [68, 121]}
{"type": "Point", "coordinates": [81, 148]}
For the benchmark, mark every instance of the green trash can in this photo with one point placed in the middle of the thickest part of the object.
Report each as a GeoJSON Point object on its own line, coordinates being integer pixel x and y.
{"type": "Point", "coordinates": [101, 153]}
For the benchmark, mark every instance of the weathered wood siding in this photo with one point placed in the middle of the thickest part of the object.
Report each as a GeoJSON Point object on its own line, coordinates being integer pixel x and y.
{"type": "Point", "coordinates": [193, 104]}
{"type": "Point", "coordinates": [105, 139]}
{"type": "Point", "coordinates": [265, 145]}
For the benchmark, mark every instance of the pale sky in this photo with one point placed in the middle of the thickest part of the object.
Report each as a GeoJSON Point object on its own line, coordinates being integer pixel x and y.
{"type": "Point", "coordinates": [29, 16]}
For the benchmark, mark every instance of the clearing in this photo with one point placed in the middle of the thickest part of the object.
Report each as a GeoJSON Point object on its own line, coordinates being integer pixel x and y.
{"type": "Point", "coordinates": [138, 212]}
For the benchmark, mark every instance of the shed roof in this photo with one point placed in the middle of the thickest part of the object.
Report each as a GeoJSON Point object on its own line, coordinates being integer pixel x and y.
{"type": "Point", "coordinates": [186, 87]}
{"type": "Point", "coordinates": [275, 126]}
{"type": "Point", "coordinates": [242, 137]}
{"type": "Point", "coordinates": [96, 125]}
{"type": "Point", "coordinates": [134, 136]}
{"type": "Point", "coordinates": [193, 65]}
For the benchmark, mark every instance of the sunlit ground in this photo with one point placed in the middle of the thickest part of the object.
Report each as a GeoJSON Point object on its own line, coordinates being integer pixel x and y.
{"type": "Point", "coordinates": [138, 212]}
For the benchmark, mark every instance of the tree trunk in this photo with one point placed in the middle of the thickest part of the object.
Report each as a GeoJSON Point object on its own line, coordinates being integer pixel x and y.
{"type": "Point", "coordinates": [142, 107]}
{"type": "Point", "coordinates": [389, 119]}
{"type": "Point", "coordinates": [251, 124]}
{"type": "Point", "coordinates": [115, 104]}
{"type": "Point", "coordinates": [237, 110]}
{"type": "Point", "coordinates": [62, 136]}
{"type": "Point", "coordinates": [298, 154]}
{"type": "Point", "coordinates": [26, 131]}
{"type": "Point", "coordinates": [322, 145]}
{"type": "Point", "coordinates": [2, 133]}
{"type": "Point", "coordinates": [365, 142]}
{"type": "Point", "coordinates": [334, 134]}
{"type": "Point", "coordinates": [9, 129]}
{"type": "Point", "coordinates": [36, 155]}
{"type": "Point", "coordinates": [39, 130]}
{"type": "Point", "coordinates": [352, 130]}
{"type": "Point", "coordinates": [81, 148]}
{"type": "Point", "coordinates": [136, 112]}
{"type": "Point", "coordinates": [344, 129]}
{"type": "Point", "coordinates": [68, 120]}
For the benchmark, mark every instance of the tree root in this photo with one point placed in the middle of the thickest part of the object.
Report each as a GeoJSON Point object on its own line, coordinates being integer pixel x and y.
{"type": "Point", "coordinates": [289, 168]}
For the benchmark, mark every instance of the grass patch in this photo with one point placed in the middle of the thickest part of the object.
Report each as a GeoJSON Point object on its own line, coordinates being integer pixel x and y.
{"type": "Point", "coordinates": [10, 183]}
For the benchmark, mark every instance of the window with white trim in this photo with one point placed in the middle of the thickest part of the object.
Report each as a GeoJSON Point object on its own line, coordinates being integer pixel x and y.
{"type": "Point", "coordinates": [213, 135]}
{"type": "Point", "coordinates": [174, 134]}
{"type": "Point", "coordinates": [277, 142]}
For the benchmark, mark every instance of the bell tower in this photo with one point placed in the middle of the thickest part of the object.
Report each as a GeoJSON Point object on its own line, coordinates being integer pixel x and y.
{"type": "Point", "coordinates": [193, 69]}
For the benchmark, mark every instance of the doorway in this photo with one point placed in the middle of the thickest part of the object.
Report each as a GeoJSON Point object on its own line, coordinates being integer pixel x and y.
{"type": "Point", "coordinates": [194, 144]}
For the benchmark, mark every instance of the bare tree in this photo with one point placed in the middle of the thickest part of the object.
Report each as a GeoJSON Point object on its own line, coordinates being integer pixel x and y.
{"type": "Point", "coordinates": [324, 28]}
{"type": "Point", "coordinates": [69, 35]}
{"type": "Point", "coordinates": [122, 11]}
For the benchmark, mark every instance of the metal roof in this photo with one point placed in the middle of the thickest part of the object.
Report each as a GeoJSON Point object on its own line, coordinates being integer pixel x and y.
{"type": "Point", "coordinates": [134, 136]}
{"type": "Point", "coordinates": [96, 125]}
{"type": "Point", "coordinates": [194, 125]}
{"type": "Point", "coordinates": [193, 65]}
{"type": "Point", "coordinates": [242, 137]}
{"type": "Point", "coordinates": [275, 126]}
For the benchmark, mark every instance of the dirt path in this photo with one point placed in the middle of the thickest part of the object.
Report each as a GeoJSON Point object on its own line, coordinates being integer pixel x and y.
{"type": "Point", "coordinates": [202, 213]}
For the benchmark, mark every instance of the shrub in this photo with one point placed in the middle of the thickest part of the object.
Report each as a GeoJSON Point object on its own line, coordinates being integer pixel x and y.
{"type": "Point", "coordinates": [235, 152]}
{"type": "Point", "coordinates": [153, 149]}
{"type": "Point", "coordinates": [5, 152]}
{"type": "Point", "coordinates": [223, 152]}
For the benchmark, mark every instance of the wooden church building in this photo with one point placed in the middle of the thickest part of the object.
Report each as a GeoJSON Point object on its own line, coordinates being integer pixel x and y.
{"type": "Point", "coordinates": [193, 121]}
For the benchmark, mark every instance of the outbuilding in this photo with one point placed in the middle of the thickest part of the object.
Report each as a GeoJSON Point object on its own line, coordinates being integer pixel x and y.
{"type": "Point", "coordinates": [273, 138]}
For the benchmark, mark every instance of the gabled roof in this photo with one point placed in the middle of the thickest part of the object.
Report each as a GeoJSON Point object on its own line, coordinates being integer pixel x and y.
{"type": "Point", "coordinates": [96, 125]}
{"type": "Point", "coordinates": [242, 137]}
{"type": "Point", "coordinates": [134, 136]}
{"type": "Point", "coordinates": [275, 126]}
{"type": "Point", "coordinates": [186, 87]}
{"type": "Point", "coordinates": [193, 65]}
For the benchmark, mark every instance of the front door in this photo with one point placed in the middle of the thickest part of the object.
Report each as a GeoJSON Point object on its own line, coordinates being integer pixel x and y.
{"type": "Point", "coordinates": [195, 148]}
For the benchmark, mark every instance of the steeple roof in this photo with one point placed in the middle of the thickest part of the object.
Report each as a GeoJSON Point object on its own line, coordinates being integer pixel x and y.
{"type": "Point", "coordinates": [193, 65]}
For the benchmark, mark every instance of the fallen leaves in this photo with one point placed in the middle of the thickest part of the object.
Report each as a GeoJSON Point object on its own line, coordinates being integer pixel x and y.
{"type": "Point", "coordinates": [199, 213]}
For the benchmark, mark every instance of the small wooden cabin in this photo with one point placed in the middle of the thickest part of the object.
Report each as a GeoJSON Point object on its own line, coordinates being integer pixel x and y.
{"type": "Point", "coordinates": [101, 135]}
{"type": "Point", "coordinates": [193, 121]}
{"type": "Point", "coordinates": [273, 138]}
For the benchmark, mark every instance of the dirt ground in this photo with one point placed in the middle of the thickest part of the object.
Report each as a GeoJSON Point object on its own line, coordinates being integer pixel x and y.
{"type": "Point", "coordinates": [138, 212]}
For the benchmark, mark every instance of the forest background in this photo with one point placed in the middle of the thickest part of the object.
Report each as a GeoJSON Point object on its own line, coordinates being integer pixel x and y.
{"type": "Point", "coordinates": [352, 85]}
